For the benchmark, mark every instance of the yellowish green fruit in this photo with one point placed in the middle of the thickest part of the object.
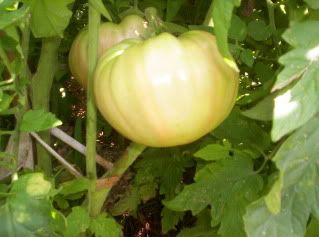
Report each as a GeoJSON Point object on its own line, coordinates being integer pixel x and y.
{"type": "Point", "coordinates": [109, 34]}
{"type": "Point", "coordinates": [165, 91]}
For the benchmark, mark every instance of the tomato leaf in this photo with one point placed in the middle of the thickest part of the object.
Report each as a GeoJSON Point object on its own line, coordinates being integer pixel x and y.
{"type": "Point", "coordinates": [258, 30]}
{"type": "Point", "coordinates": [5, 101]}
{"type": "Point", "coordinates": [49, 18]}
{"type": "Point", "coordinates": [9, 18]}
{"type": "Point", "coordinates": [313, 228]}
{"type": "Point", "coordinates": [222, 15]}
{"type": "Point", "coordinates": [172, 8]}
{"type": "Point", "coordinates": [38, 120]}
{"type": "Point", "coordinates": [213, 152]}
{"type": "Point", "coordinates": [78, 222]}
{"type": "Point", "coordinates": [202, 227]}
{"type": "Point", "coordinates": [228, 186]}
{"type": "Point", "coordinates": [159, 168]}
{"type": "Point", "coordinates": [167, 165]}
{"type": "Point", "coordinates": [74, 186]}
{"type": "Point", "coordinates": [293, 197]}
{"type": "Point", "coordinates": [313, 3]}
{"type": "Point", "coordinates": [238, 29]}
{"type": "Point", "coordinates": [247, 57]}
{"type": "Point", "coordinates": [128, 203]}
{"type": "Point", "coordinates": [105, 226]}
{"type": "Point", "coordinates": [28, 210]}
{"type": "Point", "coordinates": [170, 219]}
{"type": "Point", "coordinates": [99, 6]}
{"type": "Point", "coordinates": [296, 106]}
{"type": "Point", "coordinates": [240, 130]}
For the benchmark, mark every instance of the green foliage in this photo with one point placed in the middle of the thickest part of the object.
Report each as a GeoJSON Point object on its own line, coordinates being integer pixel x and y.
{"type": "Point", "coordinates": [228, 186]}
{"type": "Point", "coordinates": [173, 7]}
{"type": "Point", "coordinates": [222, 15]}
{"type": "Point", "coordinates": [38, 120]}
{"type": "Point", "coordinates": [105, 226]}
{"type": "Point", "coordinates": [213, 152]}
{"type": "Point", "coordinates": [202, 227]}
{"type": "Point", "coordinates": [295, 107]}
{"type": "Point", "coordinates": [238, 29]}
{"type": "Point", "coordinates": [10, 18]}
{"type": "Point", "coordinates": [28, 210]}
{"type": "Point", "coordinates": [170, 219]}
{"type": "Point", "coordinates": [248, 133]}
{"type": "Point", "coordinates": [313, 228]}
{"type": "Point", "coordinates": [313, 4]}
{"type": "Point", "coordinates": [255, 175]}
{"type": "Point", "coordinates": [49, 18]}
{"type": "Point", "coordinates": [159, 170]}
{"type": "Point", "coordinates": [258, 30]}
{"type": "Point", "coordinates": [78, 222]}
{"type": "Point", "coordinates": [293, 197]}
{"type": "Point", "coordinates": [5, 101]}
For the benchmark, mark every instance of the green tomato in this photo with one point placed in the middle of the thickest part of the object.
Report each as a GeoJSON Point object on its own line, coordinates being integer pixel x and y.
{"type": "Point", "coordinates": [109, 34]}
{"type": "Point", "coordinates": [165, 91]}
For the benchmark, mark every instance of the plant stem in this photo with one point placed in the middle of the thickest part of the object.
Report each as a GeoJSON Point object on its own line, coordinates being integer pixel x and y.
{"type": "Point", "coordinates": [6, 82]}
{"type": "Point", "coordinates": [6, 133]}
{"type": "Point", "coordinates": [56, 155]}
{"type": "Point", "coordinates": [21, 90]}
{"type": "Point", "coordinates": [135, 4]}
{"type": "Point", "coordinates": [94, 23]}
{"type": "Point", "coordinates": [6, 60]}
{"type": "Point", "coordinates": [271, 16]}
{"type": "Point", "coordinates": [41, 87]}
{"type": "Point", "coordinates": [209, 16]}
{"type": "Point", "coordinates": [122, 164]}
{"type": "Point", "coordinates": [58, 133]}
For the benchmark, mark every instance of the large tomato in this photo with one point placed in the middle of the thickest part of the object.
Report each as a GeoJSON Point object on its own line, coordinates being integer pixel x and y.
{"type": "Point", "coordinates": [110, 34]}
{"type": "Point", "coordinates": [165, 91]}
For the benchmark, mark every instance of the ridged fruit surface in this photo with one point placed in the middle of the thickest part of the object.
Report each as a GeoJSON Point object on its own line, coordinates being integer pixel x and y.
{"type": "Point", "coordinates": [165, 91]}
{"type": "Point", "coordinates": [110, 34]}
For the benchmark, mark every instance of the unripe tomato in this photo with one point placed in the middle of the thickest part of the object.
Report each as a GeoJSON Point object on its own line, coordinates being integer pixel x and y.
{"type": "Point", "coordinates": [165, 91]}
{"type": "Point", "coordinates": [110, 34]}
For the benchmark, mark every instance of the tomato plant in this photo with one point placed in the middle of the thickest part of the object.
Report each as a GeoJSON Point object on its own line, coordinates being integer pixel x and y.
{"type": "Point", "coordinates": [165, 91]}
{"type": "Point", "coordinates": [190, 145]}
{"type": "Point", "coordinates": [110, 33]}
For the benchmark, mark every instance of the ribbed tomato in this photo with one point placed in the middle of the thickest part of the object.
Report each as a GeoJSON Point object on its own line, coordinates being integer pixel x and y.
{"type": "Point", "coordinates": [110, 34]}
{"type": "Point", "coordinates": [165, 91]}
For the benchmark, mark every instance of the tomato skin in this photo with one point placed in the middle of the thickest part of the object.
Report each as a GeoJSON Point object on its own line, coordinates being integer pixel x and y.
{"type": "Point", "coordinates": [110, 34]}
{"type": "Point", "coordinates": [165, 91]}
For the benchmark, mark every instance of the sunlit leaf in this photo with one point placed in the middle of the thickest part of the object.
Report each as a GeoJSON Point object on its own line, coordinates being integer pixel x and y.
{"type": "Point", "coordinates": [28, 210]}
{"type": "Point", "coordinates": [298, 105]}
{"type": "Point", "coordinates": [49, 18]}
{"type": "Point", "coordinates": [38, 120]}
{"type": "Point", "coordinates": [222, 15]}
{"type": "Point", "coordinates": [294, 196]}
{"type": "Point", "coordinates": [213, 152]}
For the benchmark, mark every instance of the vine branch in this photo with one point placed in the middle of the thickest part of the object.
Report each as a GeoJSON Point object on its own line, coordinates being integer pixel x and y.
{"type": "Point", "coordinates": [94, 23]}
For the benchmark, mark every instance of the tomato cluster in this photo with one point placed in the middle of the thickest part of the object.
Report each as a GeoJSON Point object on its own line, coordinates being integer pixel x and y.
{"type": "Point", "coordinates": [163, 91]}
